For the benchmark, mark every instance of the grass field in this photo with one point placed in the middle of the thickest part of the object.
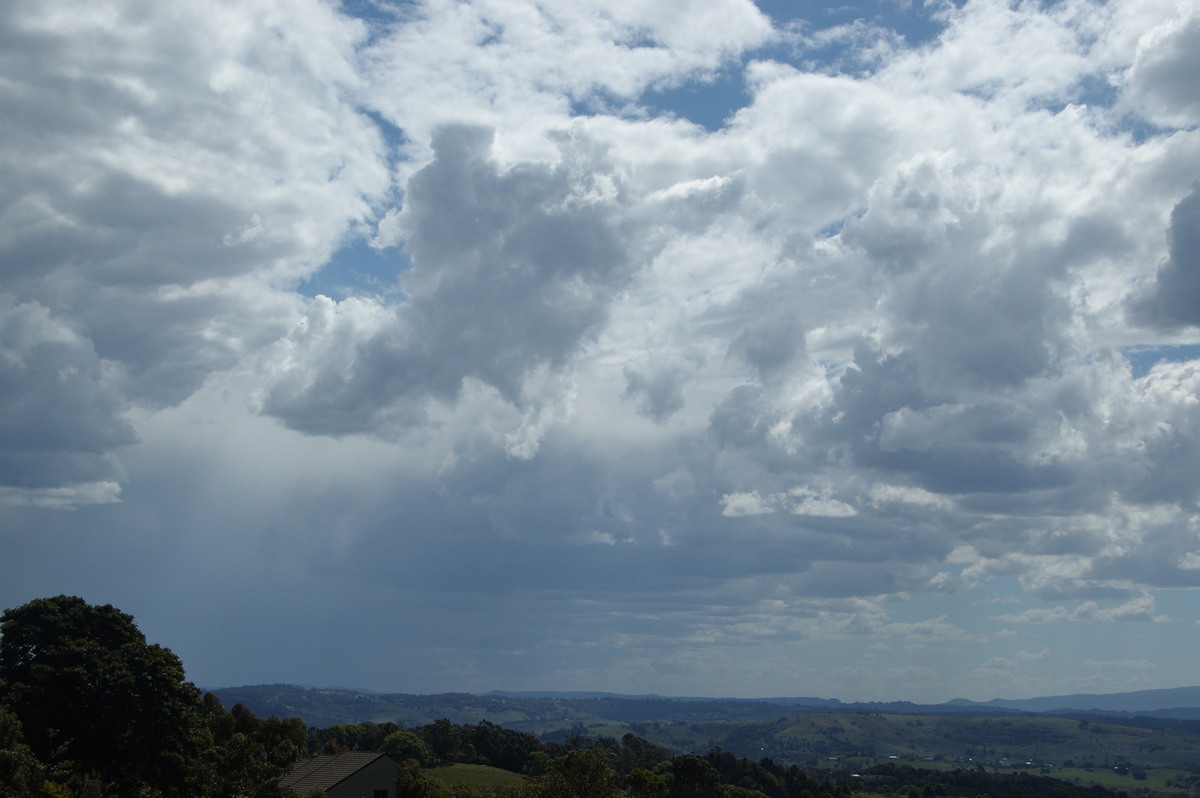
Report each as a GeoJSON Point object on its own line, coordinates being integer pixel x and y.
{"type": "Point", "coordinates": [474, 775]}
{"type": "Point", "coordinates": [1156, 778]}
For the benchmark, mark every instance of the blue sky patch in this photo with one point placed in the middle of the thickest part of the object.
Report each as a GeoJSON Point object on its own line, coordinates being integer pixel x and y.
{"type": "Point", "coordinates": [358, 269]}
{"type": "Point", "coordinates": [1143, 358]}
{"type": "Point", "coordinates": [708, 103]}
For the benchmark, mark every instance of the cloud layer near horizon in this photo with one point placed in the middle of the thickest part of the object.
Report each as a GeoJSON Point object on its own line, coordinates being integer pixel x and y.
{"type": "Point", "coordinates": [856, 395]}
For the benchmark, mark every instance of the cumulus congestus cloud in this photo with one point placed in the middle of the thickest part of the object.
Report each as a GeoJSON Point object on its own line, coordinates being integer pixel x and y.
{"type": "Point", "coordinates": [62, 416]}
{"type": "Point", "coordinates": [166, 173]}
{"type": "Point", "coordinates": [1172, 300]}
{"type": "Point", "coordinates": [313, 311]}
{"type": "Point", "coordinates": [512, 272]}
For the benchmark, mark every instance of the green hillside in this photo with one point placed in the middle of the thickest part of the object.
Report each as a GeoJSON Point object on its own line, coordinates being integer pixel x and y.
{"type": "Point", "coordinates": [1013, 741]}
{"type": "Point", "coordinates": [327, 707]}
{"type": "Point", "coordinates": [998, 742]}
{"type": "Point", "coordinates": [452, 775]}
{"type": "Point", "coordinates": [1124, 752]}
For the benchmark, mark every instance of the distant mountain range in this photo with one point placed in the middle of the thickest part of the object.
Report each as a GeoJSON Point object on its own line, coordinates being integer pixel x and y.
{"type": "Point", "coordinates": [584, 695]}
{"type": "Point", "coordinates": [1184, 699]}
{"type": "Point", "coordinates": [542, 711]}
{"type": "Point", "coordinates": [1160, 703]}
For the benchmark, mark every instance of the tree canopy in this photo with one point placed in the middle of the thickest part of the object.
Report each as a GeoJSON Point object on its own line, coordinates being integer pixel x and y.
{"type": "Point", "coordinates": [91, 691]}
{"type": "Point", "coordinates": [88, 706]}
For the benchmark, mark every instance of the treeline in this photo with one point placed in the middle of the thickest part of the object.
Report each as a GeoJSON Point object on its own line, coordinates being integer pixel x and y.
{"type": "Point", "coordinates": [325, 707]}
{"type": "Point", "coordinates": [579, 767]}
{"type": "Point", "coordinates": [632, 767]}
{"type": "Point", "coordinates": [910, 782]}
{"type": "Point", "coordinates": [1162, 725]}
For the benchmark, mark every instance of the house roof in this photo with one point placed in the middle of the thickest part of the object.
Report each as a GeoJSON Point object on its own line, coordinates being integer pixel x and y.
{"type": "Point", "coordinates": [327, 770]}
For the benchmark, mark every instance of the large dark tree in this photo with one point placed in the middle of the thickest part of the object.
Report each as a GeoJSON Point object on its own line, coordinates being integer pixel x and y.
{"type": "Point", "coordinates": [94, 697]}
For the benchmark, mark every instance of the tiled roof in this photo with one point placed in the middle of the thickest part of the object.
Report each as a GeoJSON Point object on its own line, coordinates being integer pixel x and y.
{"type": "Point", "coordinates": [327, 770]}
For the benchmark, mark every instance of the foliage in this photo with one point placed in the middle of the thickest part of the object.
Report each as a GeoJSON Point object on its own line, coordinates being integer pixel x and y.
{"type": "Point", "coordinates": [365, 736]}
{"type": "Point", "coordinates": [404, 744]}
{"type": "Point", "coordinates": [581, 773]}
{"type": "Point", "coordinates": [248, 754]}
{"type": "Point", "coordinates": [412, 782]}
{"type": "Point", "coordinates": [694, 776]}
{"type": "Point", "coordinates": [93, 695]}
{"type": "Point", "coordinates": [639, 753]}
{"type": "Point", "coordinates": [482, 744]}
{"type": "Point", "coordinates": [971, 782]}
{"type": "Point", "coordinates": [20, 772]}
{"type": "Point", "coordinates": [90, 709]}
{"type": "Point", "coordinates": [764, 776]}
{"type": "Point", "coordinates": [642, 783]}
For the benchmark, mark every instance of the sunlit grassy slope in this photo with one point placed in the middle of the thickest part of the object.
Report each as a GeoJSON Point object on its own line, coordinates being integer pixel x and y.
{"type": "Point", "coordinates": [474, 775]}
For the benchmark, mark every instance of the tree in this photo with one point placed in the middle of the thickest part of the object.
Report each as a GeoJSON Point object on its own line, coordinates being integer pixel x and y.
{"type": "Point", "coordinates": [642, 783]}
{"type": "Point", "coordinates": [580, 773]}
{"type": "Point", "coordinates": [403, 744]}
{"type": "Point", "coordinates": [639, 753]}
{"type": "Point", "coordinates": [537, 764]}
{"type": "Point", "coordinates": [247, 755]}
{"type": "Point", "coordinates": [446, 740]}
{"type": "Point", "coordinates": [91, 693]}
{"type": "Point", "coordinates": [411, 781]}
{"type": "Point", "coordinates": [20, 772]}
{"type": "Point", "coordinates": [250, 754]}
{"type": "Point", "coordinates": [694, 777]}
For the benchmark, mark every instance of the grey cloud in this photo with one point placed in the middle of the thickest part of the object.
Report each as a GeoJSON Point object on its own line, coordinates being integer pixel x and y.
{"type": "Point", "coordinates": [1173, 299]}
{"type": "Point", "coordinates": [656, 392]}
{"type": "Point", "coordinates": [907, 222]}
{"type": "Point", "coordinates": [59, 414]}
{"type": "Point", "coordinates": [144, 235]}
{"type": "Point", "coordinates": [1162, 80]}
{"type": "Point", "coordinates": [999, 333]}
{"type": "Point", "coordinates": [1140, 607]}
{"type": "Point", "coordinates": [977, 314]}
{"type": "Point", "coordinates": [1164, 555]}
{"type": "Point", "coordinates": [123, 259]}
{"type": "Point", "coordinates": [572, 496]}
{"type": "Point", "coordinates": [852, 578]}
{"type": "Point", "coordinates": [971, 390]}
{"type": "Point", "coordinates": [952, 396]}
{"type": "Point", "coordinates": [772, 342]}
{"type": "Point", "coordinates": [876, 385]}
{"type": "Point", "coordinates": [743, 418]}
{"type": "Point", "coordinates": [513, 270]}
{"type": "Point", "coordinates": [927, 399]}
{"type": "Point", "coordinates": [160, 193]}
{"type": "Point", "coordinates": [519, 266]}
{"type": "Point", "coordinates": [978, 448]}
{"type": "Point", "coordinates": [1168, 464]}
{"type": "Point", "coordinates": [989, 456]}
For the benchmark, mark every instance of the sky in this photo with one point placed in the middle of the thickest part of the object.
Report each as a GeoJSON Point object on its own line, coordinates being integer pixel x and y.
{"type": "Point", "coordinates": [695, 348]}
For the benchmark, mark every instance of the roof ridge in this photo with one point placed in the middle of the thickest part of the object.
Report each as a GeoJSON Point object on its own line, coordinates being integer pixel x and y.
{"type": "Point", "coordinates": [327, 770]}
